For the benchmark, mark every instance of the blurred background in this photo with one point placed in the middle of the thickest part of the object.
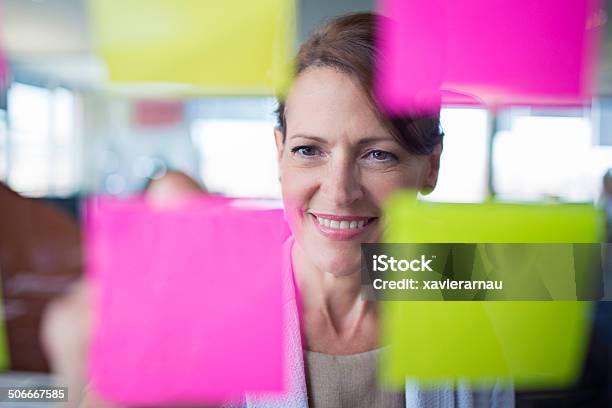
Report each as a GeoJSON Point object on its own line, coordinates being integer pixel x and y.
{"type": "Point", "coordinates": [67, 131]}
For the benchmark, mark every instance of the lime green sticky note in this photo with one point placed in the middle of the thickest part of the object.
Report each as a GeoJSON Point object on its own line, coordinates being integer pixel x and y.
{"type": "Point", "coordinates": [534, 344]}
{"type": "Point", "coordinates": [5, 359]}
{"type": "Point", "coordinates": [235, 47]}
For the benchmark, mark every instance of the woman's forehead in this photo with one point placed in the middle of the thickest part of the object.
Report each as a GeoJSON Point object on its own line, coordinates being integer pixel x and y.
{"type": "Point", "coordinates": [324, 101]}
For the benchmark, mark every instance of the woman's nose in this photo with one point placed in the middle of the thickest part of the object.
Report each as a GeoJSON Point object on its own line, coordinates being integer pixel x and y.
{"type": "Point", "coordinates": [342, 184]}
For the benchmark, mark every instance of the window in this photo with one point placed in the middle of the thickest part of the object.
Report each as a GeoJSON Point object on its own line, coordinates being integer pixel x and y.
{"type": "Point", "coordinates": [462, 176]}
{"type": "Point", "coordinates": [237, 157]}
{"type": "Point", "coordinates": [545, 157]}
{"type": "Point", "coordinates": [42, 148]}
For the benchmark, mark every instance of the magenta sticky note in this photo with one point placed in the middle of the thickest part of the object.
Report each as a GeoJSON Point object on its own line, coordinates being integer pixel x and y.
{"type": "Point", "coordinates": [188, 301]}
{"type": "Point", "coordinates": [490, 52]}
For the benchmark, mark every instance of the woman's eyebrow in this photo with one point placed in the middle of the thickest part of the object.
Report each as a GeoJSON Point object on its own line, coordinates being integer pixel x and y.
{"type": "Point", "coordinates": [361, 142]}
{"type": "Point", "coordinates": [309, 137]}
{"type": "Point", "coordinates": [374, 139]}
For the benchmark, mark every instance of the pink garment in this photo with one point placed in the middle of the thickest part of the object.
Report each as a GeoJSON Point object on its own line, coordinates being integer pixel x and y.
{"type": "Point", "coordinates": [295, 395]}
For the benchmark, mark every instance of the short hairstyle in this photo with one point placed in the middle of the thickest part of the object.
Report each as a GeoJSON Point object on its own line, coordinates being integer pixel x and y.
{"type": "Point", "coordinates": [348, 44]}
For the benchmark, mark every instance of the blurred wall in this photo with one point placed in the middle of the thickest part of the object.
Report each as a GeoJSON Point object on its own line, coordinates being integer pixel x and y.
{"type": "Point", "coordinates": [312, 13]}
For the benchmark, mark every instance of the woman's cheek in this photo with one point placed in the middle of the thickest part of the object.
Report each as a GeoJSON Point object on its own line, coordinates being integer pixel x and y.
{"type": "Point", "coordinates": [296, 192]}
{"type": "Point", "coordinates": [293, 214]}
{"type": "Point", "coordinates": [382, 186]}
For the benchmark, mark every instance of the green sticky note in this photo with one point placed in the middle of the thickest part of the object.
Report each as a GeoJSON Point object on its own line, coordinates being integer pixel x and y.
{"type": "Point", "coordinates": [5, 359]}
{"type": "Point", "coordinates": [229, 47]}
{"type": "Point", "coordinates": [534, 344]}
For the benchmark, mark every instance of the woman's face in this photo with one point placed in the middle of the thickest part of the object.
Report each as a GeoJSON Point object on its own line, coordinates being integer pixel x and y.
{"type": "Point", "coordinates": [338, 165]}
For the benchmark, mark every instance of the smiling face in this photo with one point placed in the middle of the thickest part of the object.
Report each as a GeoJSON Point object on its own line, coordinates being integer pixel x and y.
{"type": "Point", "coordinates": [338, 165]}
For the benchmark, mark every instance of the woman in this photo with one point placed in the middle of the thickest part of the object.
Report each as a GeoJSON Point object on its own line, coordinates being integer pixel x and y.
{"type": "Point", "coordinates": [340, 157]}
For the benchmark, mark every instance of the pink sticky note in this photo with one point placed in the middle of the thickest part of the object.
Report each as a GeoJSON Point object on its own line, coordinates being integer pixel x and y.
{"type": "Point", "coordinates": [492, 52]}
{"type": "Point", "coordinates": [188, 303]}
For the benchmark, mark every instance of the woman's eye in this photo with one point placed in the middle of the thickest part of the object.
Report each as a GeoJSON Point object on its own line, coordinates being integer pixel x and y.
{"type": "Point", "coordinates": [381, 155]}
{"type": "Point", "coordinates": [305, 151]}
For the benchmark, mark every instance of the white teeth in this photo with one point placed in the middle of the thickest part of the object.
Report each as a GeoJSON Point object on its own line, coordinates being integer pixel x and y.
{"type": "Point", "coordinates": [345, 224]}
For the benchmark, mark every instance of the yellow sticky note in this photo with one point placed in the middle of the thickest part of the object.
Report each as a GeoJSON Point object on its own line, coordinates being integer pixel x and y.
{"type": "Point", "coordinates": [229, 47]}
{"type": "Point", "coordinates": [534, 344]}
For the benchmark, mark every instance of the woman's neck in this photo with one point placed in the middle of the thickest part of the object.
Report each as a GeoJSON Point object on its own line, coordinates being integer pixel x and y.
{"type": "Point", "coordinates": [336, 318]}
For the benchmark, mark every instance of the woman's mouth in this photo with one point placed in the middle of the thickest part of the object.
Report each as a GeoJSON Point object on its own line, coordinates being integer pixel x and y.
{"type": "Point", "coordinates": [340, 227]}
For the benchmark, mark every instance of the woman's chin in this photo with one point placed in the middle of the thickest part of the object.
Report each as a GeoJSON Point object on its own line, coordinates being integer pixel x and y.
{"type": "Point", "coordinates": [339, 258]}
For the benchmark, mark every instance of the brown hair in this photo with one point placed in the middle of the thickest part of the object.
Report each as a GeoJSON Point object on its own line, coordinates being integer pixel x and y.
{"type": "Point", "coordinates": [348, 44]}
